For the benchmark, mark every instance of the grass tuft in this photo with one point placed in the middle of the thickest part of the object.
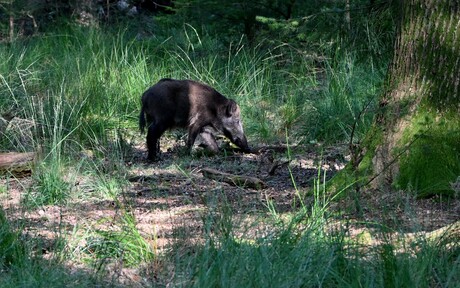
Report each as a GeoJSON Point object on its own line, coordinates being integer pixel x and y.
{"type": "Point", "coordinates": [50, 187]}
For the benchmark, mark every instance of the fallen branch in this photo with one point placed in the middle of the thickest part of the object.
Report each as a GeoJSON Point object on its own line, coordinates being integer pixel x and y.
{"type": "Point", "coordinates": [19, 164]}
{"type": "Point", "coordinates": [235, 180]}
{"type": "Point", "coordinates": [141, 178]}
{"type": "Point", "coordinates": [447, 236]}
{"type": "Point", "coordinates": [275, 166]}
{"type": "Point", "coordinates": [276, 148]}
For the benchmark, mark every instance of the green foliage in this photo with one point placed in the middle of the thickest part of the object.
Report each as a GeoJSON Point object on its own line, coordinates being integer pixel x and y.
{"type": "Point", "coordinates": [74, 76]}
{"type": "Point", "coordinates": [301, 24]}
{"type": "Point", "coordinates": [108, 188]}
{"type": "Point", "coordinates": [231, 18]}
{"type": "Point", "coordinates": [310, 262]}
{"type": "Point", "coordinates": [345, 99]}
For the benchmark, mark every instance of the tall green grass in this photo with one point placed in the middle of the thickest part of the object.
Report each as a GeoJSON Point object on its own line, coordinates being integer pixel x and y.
{"type": "Point", "coordinates": [99, 77]}
{"type": "Point", "coordinates": [309, 250]}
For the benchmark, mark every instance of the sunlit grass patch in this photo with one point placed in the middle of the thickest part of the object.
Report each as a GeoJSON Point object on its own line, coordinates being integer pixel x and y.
{"type": "Point", "coordinates": [121, 242]}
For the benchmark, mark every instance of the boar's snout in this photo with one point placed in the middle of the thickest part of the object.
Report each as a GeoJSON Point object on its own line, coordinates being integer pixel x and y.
{"type": "Point", "coordinates": [239, 140]}
{"type": "Point", "coordinates": [242, 143]}
{"type": "Point", "coordinates": [232, 125]}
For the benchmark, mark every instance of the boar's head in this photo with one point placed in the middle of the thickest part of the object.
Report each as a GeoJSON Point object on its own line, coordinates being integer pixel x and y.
{"type": "Point", "coordinates": [232, 125]}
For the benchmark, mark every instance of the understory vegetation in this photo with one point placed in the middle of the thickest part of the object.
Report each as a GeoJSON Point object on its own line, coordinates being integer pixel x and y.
{"type": "Point", "coordinates": [76, 90]}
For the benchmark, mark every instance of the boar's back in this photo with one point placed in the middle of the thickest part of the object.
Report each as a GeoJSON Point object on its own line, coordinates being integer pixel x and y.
{"type": "Point", "coordinates": [175, 103]}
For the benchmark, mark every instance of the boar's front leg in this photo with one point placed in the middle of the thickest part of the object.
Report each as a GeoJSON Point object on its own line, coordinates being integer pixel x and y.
{"type": "Point", "coordinates": [193, 131]}
{"type": "Point", "coordinates": [153, 136]}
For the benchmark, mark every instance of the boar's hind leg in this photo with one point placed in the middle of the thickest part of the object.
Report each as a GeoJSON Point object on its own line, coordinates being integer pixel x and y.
{"type": "Point", "coordinates": [153, 136]}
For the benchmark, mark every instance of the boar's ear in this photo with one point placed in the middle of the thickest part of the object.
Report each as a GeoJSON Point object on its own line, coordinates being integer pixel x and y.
{"type": "Point", "coordinates": [231, 108]}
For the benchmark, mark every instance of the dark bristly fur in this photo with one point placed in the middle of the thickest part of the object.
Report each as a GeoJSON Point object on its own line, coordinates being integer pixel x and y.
{"type": "Point", "coordinates": [185, 103]}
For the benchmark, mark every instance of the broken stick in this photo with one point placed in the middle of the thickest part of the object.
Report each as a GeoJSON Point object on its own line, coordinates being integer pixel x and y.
{"type": "Point", "coordinates": [235, 180]}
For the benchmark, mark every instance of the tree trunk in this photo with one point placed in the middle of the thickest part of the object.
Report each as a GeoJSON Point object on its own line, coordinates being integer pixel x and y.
{"type": "Point", "coordinates": [415, 141]}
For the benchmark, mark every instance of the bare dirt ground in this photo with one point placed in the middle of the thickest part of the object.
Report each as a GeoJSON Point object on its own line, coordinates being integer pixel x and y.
{"type": "Point", "coordinates": [169, 198]}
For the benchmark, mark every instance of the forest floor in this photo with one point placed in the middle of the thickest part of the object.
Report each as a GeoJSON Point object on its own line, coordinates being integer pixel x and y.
{"type": "Point", "coordinates": [170, 198]}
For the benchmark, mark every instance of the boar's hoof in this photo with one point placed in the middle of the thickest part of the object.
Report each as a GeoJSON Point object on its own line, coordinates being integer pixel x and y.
{"type": "Point", "coordinates": [152, 158]}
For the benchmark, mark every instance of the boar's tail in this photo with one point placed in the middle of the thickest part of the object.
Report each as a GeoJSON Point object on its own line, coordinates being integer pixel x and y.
{"type": "Point", "coordinates": [142, 120]}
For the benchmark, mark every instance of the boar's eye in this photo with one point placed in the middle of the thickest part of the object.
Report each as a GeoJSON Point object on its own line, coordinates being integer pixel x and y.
{"type": "Point", "coordinates": [237, 122]}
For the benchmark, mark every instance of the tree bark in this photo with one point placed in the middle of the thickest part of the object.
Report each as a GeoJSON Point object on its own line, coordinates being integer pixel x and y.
{"type": "Point", "coordinates": [415, 141]}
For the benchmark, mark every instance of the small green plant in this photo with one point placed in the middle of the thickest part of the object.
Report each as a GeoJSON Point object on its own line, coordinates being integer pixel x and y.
{"type": "Point", "coordinates": [108, 188]}
{"type": "Point", "coordinates": [3, 189]}
{"type": "Point", "coordinates": [50, 187]}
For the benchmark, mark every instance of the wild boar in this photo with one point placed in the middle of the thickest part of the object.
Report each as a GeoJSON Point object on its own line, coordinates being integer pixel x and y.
{"type": "Point", "coordinates": [189, 104]}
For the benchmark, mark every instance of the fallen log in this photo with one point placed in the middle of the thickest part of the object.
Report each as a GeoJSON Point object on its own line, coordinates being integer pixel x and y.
{"type": "Point", "coordinates": [235, 180]}
{"type": "Point", "coordinates": [19, 164]}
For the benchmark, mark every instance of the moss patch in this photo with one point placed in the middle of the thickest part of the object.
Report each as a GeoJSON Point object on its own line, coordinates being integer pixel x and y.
{"type": "Point", "coordinates": [358, 175]}
{"type": "Point", "coordinates": [429, 166]}
{"type": "Point", "coordinates": [432, 162]}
